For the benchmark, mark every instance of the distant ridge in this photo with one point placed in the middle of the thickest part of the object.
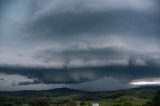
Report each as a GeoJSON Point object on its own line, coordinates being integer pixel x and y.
{"type": "Point", "coordinates": [148, 87]}
{"type": "Point", "coordinates": [55, 92]}
{"type": "Point", "coordinates": [68, 91]}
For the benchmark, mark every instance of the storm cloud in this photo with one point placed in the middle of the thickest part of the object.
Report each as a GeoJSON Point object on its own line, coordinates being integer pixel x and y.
{"type": "Point", "coordinates": [74, 43]}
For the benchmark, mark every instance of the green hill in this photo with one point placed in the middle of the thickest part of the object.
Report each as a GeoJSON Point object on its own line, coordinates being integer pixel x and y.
{"type": "Point", "coordinates": [128, 97]}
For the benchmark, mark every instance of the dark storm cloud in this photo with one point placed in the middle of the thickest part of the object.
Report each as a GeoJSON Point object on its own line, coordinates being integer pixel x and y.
{"type": "Point", "coordinates": [92, 56]}
{"type": "Point", "coordinates": [1, 79]}
{"type": "Point", "coordinates": [66, 24]}
{"type": "Point", "coordinates": [30, 83]}
{"type": "Point", "coordinates": [63, 20]}
{"type": "Point", "coordinates": [79, 77]}
{"type": "Point", "coordinates": [77, 43]}
{"type": "Point", "coordinates": [3, 4]}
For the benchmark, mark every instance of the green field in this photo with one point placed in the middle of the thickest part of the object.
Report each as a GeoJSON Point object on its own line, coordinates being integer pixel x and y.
{"type": "Point", "coordinates": [70, 97]}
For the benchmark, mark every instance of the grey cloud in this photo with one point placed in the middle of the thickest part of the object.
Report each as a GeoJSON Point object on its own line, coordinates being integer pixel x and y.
{"type": "Point", "coordinates": [119, 42]}
{"type": "Point", "coordinates": [29, 83]}
{"type": "Point", "coordinates": [47, 20]}
{"type": "Point", "coordinates": [98, 56]}
{"type": "Point", "coordinates": [1, 79]}
{"type": "Point", "coordinates": [102, 84]}
{"type": "Point", "coordinates": [50, 20]}
{"type": "Point", "coordinates": [98, 23]}
{"type": "Point", "coordinates": [79, 77]}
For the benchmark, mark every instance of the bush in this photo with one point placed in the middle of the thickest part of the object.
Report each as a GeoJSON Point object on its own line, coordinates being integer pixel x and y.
{"type": "Point", "coordinates": [155, 101]}
{"type": "Point", "coordinates": [71, 103]}
{"type": "Point", "coordinates": [39, 102]}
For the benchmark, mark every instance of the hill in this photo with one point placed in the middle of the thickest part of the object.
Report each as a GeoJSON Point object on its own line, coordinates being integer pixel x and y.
{"type": "Point", "coordinates": [135, 96]}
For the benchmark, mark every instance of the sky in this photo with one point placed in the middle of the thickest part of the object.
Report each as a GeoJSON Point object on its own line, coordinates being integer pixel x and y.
{"type": "Point", "coordinates": [92, 45]}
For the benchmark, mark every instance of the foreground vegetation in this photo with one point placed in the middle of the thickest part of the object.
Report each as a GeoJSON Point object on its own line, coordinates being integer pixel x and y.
{"type": "Point", "coordinates": [69, 97]}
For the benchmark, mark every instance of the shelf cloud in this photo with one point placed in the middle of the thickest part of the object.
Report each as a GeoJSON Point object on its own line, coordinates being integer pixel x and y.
{"type": "Point", "coordinates": [74, 43]}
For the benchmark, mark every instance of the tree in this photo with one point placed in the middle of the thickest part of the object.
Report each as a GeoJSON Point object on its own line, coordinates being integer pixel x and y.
{"type": "Point", "coordinates": [71, 103]}
{"type": "Point", "coordinates": [39, 102]}
{"type": "Point", "coordinates": [82, 103]}
{"type": "Point", "coordinates": [155, 101]}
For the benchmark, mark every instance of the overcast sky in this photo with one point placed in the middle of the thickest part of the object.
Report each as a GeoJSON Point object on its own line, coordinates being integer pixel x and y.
{"type": "Point", "coordinates": [79, 44]}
